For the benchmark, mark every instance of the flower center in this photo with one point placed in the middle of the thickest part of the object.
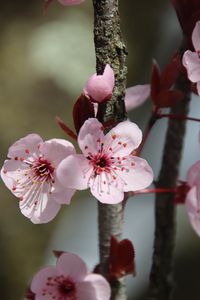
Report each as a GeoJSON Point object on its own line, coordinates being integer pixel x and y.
{"type": "Point", "coordinates": [68, 288]}
{"type": "Point", "coordinates": [42, 169]}
{"type": "Point", "coordinates": [59, 288]}
{"type": "Point", "coordinates": [100, 162]}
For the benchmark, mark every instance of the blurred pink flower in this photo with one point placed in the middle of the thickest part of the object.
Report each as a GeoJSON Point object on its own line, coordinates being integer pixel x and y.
{"type": "Point", "coordinates": [193, 196]}
{"type": "Point", "coordinates": [69, 280]}
{"type": "Point", "coordinates": [99, 88]}
{"type": "Point", "coordinates": [136, 96]}
{"type": "Point", "coordinates": [70, 2]}
{"type": "Point", "coordinates": [191, 60]}
{"type": "Point", "coordinates": [107, 166]}
{"type": "Point", "coordinates": [31, 174]}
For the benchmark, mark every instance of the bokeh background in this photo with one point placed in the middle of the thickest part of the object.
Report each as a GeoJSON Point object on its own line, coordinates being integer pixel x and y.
{"type": "Point", "coordinates": [45, 61]}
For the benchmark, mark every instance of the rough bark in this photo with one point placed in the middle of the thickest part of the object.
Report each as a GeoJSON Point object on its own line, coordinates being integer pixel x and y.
{"type": "Point", "coordinates": [161, 277]}
{"type": "Point", "coordinates": [110, 49]}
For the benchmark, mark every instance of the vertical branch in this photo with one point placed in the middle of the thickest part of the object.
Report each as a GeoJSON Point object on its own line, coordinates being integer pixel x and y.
{"type": "Point", "coordinates": [161, 277]}
{"type": "Point", "coordinates": [110, 49]}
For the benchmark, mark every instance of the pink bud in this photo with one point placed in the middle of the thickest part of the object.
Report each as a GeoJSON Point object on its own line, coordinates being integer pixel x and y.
{"type": "Point", "coordinates": [99, 88]}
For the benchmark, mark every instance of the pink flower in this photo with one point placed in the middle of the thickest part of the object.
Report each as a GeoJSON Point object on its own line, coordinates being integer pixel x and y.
{"type": "Point", "coordinates": [191, 60]}
{"type": "Point", "coordinates": [107, 166]}
{"type": "Point", "coordinates": [99, 88]}
{"type": "Point", "coordinates": [70, 2]}
{"type": "Point", "coordinates": [69, 280]}
{"type": "Point", "coordinates": [31, 174]}
{"type": "Point", "coordinates": [193, 197]}
{"type": "Point", "coordinates": [136, 96]}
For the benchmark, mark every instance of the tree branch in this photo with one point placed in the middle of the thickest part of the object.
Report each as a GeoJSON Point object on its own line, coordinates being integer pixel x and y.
{"type": "Point", "coordinates": [110, 49]}
{"type": "Point", "coordinates": [161, 277]}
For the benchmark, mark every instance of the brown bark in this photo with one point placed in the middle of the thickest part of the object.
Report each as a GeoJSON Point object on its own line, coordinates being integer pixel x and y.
{"type": "Point", "coordinates": [161, 277]}
{"type": "Point", "coordinates": [110, 49]}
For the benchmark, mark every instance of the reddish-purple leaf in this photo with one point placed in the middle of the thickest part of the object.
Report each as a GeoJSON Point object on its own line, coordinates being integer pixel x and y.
{"type": "Point", "coordinates": [181, 192]}
{"type": "Point", "coordinates": [168, 98]}
{"type": "Point", "coordinates": [58, 253]}
{"type": "Point", "coordinates": [122, 257]}
{"type": "Point", "coordinates": [83, 110]}
{"type": "Point", "coordinates": [29, 294]}
{"type": "Point", "coordinates": [155, 80]}
{"type": "Point", "coordinates": [188, 12]}
{"type": "Point", "coordinates": [171, 72]}
{"type": "Point", "coordinates": [65, 128]}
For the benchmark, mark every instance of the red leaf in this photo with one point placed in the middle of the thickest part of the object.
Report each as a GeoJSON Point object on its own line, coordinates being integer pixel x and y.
{"type": "Point", "coordinates": [58, 253]}
{"type": "Point", "coordinates": [168, 98]}
{"type": "Point", "coordinates": [83, 110]}
{"type": "Point", "coordinates": [29, 294]}
{"type": "Point", "coordinates": [122, 256]}
{"type": "Point", "coordinates": [155, 80]}
{"type": "Point", "coordinates": [181, 192]}
{"type": "Point", "coordinates": [188, 12]}
{"type": "Point", "coordinates": [65, 128]}
{"type": "Point", "coordinates": [171, 72]}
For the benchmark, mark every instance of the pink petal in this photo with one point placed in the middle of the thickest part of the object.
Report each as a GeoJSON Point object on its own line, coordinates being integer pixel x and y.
{"type": "Point", "coordinates": [136, 174]}
{"type": "Point", "coordinates": [193, 209]}
{"type": "Point", "coordinates": [198, 87]}
{"type": "Point", "coordinates": [11, 172]}
{"type": "Point", "coordinates": [61, 194]}
{"type": "Point", "coordinates": [23, 146]}
{"type": "Point", "coordinates": [74, 172]}
{"type": "Point", "coordinates": [123, 138]}
{"type": "Point", "coordinates": [136, 95]}
{"type": "Point", "coordinates": [196, 37]}
{"type": "Point", "coordinates": [70, 2]}
{"type": "Point", "coordinates": [39, 207]}
{"type": "Point", "coordinates": [56, 150]}
{"type": "Point", "coordinates": [94, 287]}
{"type": "Point", "coordinates": [90, 136]}
{"type": "Point", "coordinates": [100, 87]}
{"type": "Point", "coordinates": [72, 265]}
{"type": "Point", "coordinates": [193, 175]}
{"type": "Point", "coordinates": [7, 171]}
{"type": "Point", "coordinates": [191, 62]}
{"type": "Point", "coordinates": [40, 279]}
{"type": "Point", "coordinates": [105, 189]}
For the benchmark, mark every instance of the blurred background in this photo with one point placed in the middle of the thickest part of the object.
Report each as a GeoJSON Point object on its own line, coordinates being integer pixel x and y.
{"type": "Point", "coordinates": [45, 61]}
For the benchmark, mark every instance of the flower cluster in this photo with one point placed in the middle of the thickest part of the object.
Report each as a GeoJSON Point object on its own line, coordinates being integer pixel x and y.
{"type": "Point", "coordinates": [40, 173]}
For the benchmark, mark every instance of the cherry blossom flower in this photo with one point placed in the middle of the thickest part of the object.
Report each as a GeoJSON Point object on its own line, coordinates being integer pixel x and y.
{"type": "Point", "coordinates": [191, 60]}
{"type": "Point", "coordinates": [193, 196]}
{"type": "Point", "coordinates": [136, 96]}
{"type": "Point", "coordinates": [107, 166]}
{"type": "Point", "coordinates": [70, 2]}
{"type": "Point", "coordinates": [99, 88]}
{"type": "Point", "coordinates": [69, 280]}
{"type": "Point", "coordinates": [31, 175]}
